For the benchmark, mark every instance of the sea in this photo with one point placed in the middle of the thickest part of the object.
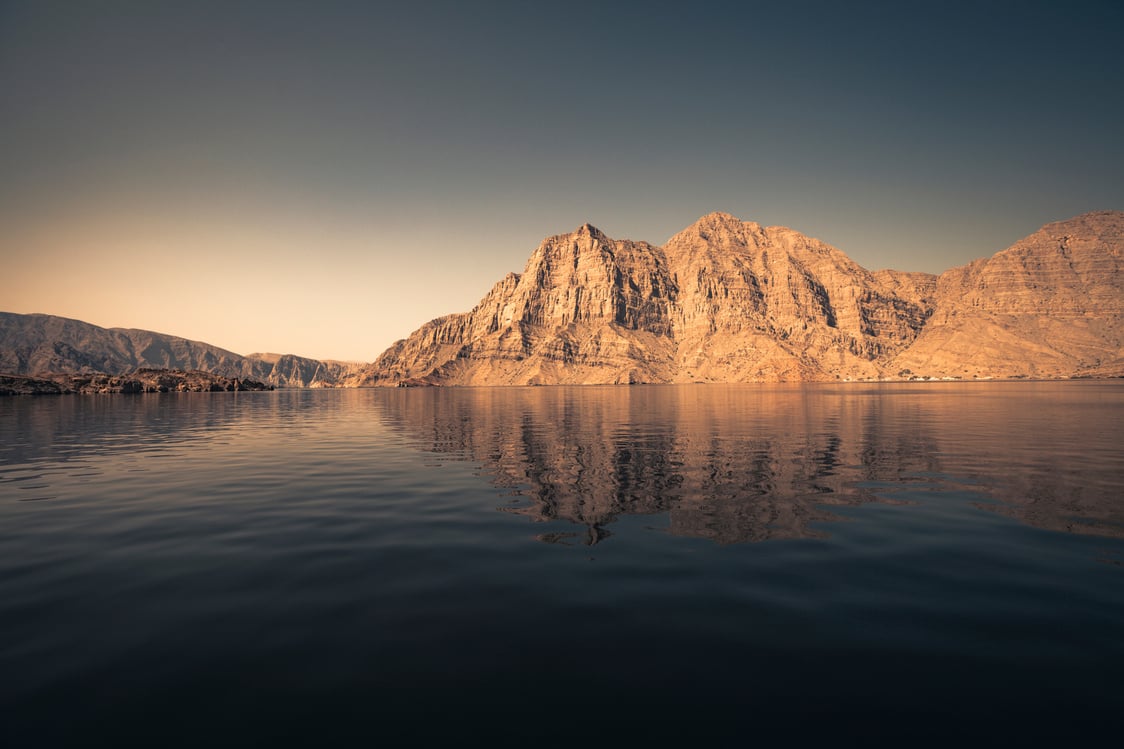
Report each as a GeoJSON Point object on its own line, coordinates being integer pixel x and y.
{"type": "Point", "coordinates": [891, 563]}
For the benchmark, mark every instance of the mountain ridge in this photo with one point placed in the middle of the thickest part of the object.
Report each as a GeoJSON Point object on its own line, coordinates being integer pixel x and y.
{"type": "Point", "coordinates": [726, 300]}
{"type": "Point", "coordinates": [723, 300]}
{"type": "Point", "coordinates": [40, 344]}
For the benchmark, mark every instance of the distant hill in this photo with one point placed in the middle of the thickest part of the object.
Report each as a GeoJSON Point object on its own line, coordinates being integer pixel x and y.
{"type": "Point", "coordinates": [46, 344]}
{"type": "Point", "coordinates": [727, 300]}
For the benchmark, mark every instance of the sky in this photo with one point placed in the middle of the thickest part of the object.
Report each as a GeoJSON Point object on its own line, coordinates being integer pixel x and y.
{"type": "Point", "coordinates": [321, 178]}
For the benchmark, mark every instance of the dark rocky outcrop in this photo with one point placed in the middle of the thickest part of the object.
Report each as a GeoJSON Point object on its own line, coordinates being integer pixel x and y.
{"type": "Point", "coordinates": [138, 381]}
{"type": "Point", "coordinates": [22, 385]}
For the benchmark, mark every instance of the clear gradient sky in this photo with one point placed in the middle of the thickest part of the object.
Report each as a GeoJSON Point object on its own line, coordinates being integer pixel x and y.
{"type": "Point", "coordinates": [320, 178]}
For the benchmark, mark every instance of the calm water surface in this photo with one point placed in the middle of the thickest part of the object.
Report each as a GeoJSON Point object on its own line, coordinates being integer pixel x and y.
{"type": "Point", "coordinates": [563, 565]}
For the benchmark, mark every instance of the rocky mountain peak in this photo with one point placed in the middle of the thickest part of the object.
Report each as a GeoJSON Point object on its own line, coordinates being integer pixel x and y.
{"type": "Point", "coordinates": [589, 230]}
{"type": "Point", "coordinates": [716, 229]}
{"type": "Point", "coordinates": [727, 300]}
{"type": "Point", "coordinates": [1089, 231]}
{"type": "Point", "coordinates": [724, 300]}
{"type": "Point", "coordinates": [718, 220]}
{"type": "Point", "coordinates": [719, 217]}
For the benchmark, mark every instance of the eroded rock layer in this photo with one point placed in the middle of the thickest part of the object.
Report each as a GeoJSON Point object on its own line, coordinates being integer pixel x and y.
{"type": "Point", "coordinates": [586, 308]}
{"type": "Point", "coordinates": [724, 300]}
{"type": "Point", "coordinates": [1051, 305]}
{"type": "Point", "coordinates": [727, 300]}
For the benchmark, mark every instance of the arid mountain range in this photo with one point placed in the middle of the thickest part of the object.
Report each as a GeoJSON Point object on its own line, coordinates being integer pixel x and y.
{"type": "Point", "coordinates": [724, 300]}
{"type": "Point", "coordinates": [42, 345]}
{"type": "Point", "coordinates": [727, 300]}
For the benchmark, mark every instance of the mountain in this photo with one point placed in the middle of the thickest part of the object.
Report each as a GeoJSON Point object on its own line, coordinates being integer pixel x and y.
{"type": "Point", "coordinates": [1051, 305]}
{"type": "Point", "coordinates": [761, 303]}
{"type": "Point", "coordinates": [724, 300]}
{"type": "Point", "coordinates": [727, 300]}
{"type": "Point", "coordinates": [45, 344]}
{"type": "Point", "coordinates": [299, 371]}
{"type": "Point", "coordinates": [586, 309]}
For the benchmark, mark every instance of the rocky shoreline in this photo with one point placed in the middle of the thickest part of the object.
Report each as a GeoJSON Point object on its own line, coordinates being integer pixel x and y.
{"type": "Point", "coordinates": [138, 381]}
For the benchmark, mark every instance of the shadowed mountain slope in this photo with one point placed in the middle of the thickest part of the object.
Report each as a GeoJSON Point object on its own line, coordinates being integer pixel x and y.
{"type": "Point", "coordinates": [46, 344]}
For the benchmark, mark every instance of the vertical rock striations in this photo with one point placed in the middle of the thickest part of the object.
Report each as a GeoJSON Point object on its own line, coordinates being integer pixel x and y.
{"type": "Point", "coordinates": [727, 300]}
{"type": "Point", "coordinates": [724, 300]}
{"type": "Point", "coordinates": [771, 304]}
{"type": "Point", "coordinates": [586, 308]}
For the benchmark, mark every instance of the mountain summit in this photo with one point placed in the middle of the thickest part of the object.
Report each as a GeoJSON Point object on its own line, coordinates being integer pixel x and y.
{"type": "Point", "coordinates": [727, 300]}
{"type": "Point", "coordinates": [724, 300]}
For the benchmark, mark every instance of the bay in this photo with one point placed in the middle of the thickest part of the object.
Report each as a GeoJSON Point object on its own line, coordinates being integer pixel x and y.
{"type": "Point", "coordinates": [585, 564]}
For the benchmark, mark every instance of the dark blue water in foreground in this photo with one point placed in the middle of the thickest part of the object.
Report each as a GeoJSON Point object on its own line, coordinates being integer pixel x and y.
{"type": "Point", "coordinates": [563, 565]}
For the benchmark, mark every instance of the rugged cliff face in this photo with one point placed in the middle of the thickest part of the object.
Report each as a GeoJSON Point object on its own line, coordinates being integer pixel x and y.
{"type": "Point", "coordinates": [724, 300]}
{"type": "Point", "coordinates": [1051, 305]}
{"type": "Point", "coordinates": [585, 309]}
{"type": "Point", "coordinates": [731, 301]}
{"type": "Point", "coordinates": [770, 304]}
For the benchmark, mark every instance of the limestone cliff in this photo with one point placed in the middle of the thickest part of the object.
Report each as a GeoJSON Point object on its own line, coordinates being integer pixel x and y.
{"type": "Point", "coordinates": [585, 309]}
{"type": "Point", "coordinates": [1052, 305]}
{"type": "Point", "coordinates": [727, 300]}
{"type": "Point", "coordinates": [771, 304]}
{"type": "Point", "coordinates": [723, 301]}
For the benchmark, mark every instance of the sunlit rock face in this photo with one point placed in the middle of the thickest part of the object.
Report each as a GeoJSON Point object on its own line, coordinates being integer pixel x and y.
{"type": "Point", "coordinates": [1051, 305]}
{"type": "Point", "coordinates": [727, 300]}
{"type": "Point", "coordinates": [772, 304]}
{"type": "Point", "coordinates": [586, 309]}
{"type": "Point", "coordinates": [724, 300]}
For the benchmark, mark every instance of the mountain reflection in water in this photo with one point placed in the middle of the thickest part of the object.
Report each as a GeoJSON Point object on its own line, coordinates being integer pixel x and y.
{"type": "Point", "coordinates": [304, 567]}
{"type": "Point", "coordinates": [741, 464]}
